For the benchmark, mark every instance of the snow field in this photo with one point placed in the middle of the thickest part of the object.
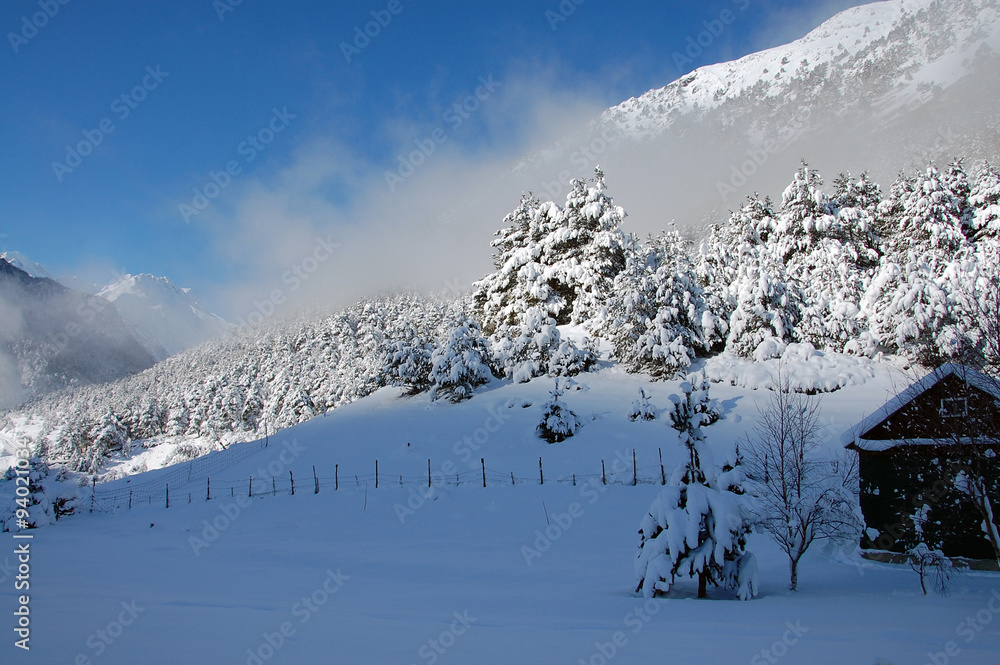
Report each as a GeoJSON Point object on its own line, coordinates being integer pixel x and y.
{"type": "Point", "coordinates": [461, 574]}
{"type": "Point", "coordinates": [337, 577]}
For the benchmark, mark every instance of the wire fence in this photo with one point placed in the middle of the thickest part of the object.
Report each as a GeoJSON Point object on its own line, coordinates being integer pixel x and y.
{"type": "Point", "coordinates": [127, 493]}
{"type": "Point", "coordinates": [192, 482]}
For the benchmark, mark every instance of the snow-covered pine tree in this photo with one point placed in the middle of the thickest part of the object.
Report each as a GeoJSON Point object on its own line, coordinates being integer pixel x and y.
{"type": "Point", "coordinates": [659, 320]}
{"type": "Point", "coordinates": [722, 251]}
{"type": "Point", "coordinates": [461, 364]}
{"type": "Point", "coordinates": [694, 528]}
{"type": "Point", "coordinates": [515, 287]}
{"type": "Point", "coordinates": [984, 200]}
{"type": "Point", "coordinates": [907, 305]}
{"type": "Point", "coordinates": [406, 361]}
{"type": "Point", "coordinates": [830, 257]}
{"type": "Point", "coordinates": [36, 503]}
{"type": "Point", "coordinates": [589, 248]}
{"type": "Point", "coordinates": [570, 359]}
{"type": "Point", "coordinates": [562, 260]}
{"type": "Point", "coordinates": [107, 436]}
{"type": "Point", "coordinates": [745, 284]}
{"type": "Point", "coordinates": [558, 423]}
{"type": "Point", "coordinates": [524, 352]}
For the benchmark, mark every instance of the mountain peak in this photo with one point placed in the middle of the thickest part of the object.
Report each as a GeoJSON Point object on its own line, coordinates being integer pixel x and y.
{"type": "Point", "coordinates": [22, 262]}
{"type": "Point", "coordinates": [165, 317]}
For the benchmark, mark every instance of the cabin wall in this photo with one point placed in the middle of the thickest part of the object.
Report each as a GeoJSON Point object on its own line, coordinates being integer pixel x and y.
{"type": "Point", "coordinates": [908, 496]}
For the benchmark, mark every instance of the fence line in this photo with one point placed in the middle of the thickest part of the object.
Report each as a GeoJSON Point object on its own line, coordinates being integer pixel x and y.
{"type": "Point", "coordinates": [200, 467]}
{"type": "Point", "coordinates": [185, 486]}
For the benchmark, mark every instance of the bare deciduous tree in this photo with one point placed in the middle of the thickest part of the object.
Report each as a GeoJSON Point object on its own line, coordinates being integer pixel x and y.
{"type": "Point", "coordinates": [799, 496]}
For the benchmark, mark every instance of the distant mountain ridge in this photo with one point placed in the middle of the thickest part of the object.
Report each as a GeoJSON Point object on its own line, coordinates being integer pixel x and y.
{"type": "Point", "coordinates": [164, 317]}
{"type": "Point", "coordinates": [22, 262]}
{"type": "Point", "coordinates": [52, 337]}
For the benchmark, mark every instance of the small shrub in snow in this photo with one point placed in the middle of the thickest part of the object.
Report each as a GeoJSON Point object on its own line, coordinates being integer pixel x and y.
{"type": "Point", "coordinates": [641, 408]}
{"type": "Point", "coordinates": [558, 422]}
{"type": "Point", "coordinates": [694, 528]}
{"type": "Point", "coordinates": [931, 565]}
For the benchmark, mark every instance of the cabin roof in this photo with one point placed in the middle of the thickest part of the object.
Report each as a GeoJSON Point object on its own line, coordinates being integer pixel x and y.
{"type": "Point", "coordinates": [855, 437]}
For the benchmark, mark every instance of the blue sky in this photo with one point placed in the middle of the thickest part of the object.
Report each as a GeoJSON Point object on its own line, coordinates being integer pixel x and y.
{"type": "Point", "coordinates": [166, 94]}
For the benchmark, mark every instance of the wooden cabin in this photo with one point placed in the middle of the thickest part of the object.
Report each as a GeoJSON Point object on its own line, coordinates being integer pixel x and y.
{"type": "Point", "coordinates": [913, 454]}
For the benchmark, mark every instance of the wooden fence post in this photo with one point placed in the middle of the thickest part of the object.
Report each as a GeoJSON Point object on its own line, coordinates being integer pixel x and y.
{"type": "Point", "coordinates": [663, 476]}
{"type": "Point", "coordinates": [168, 496]}
{"type": "Point", "coordinates": [604, 478]}
{"type": "Point", "coordinates": [291, 479]}
{"type": "Point", "coordinates": [250, 492]}
{"type": "Point", "coordinates": [482, 460]}
{"type": "Point", "coordinates": [541, 476]}
{"type": "Point", "coordinates": [208, 489]}
{"type": "Point", "coordinates": [315, 481]}
{"type": "Point", "coordinates": [635, 476]}
{"type": "Point", "coordinates": [336, 477]}
{"type": "Point", "coordinates": [130, 499]}
{"type": "Point", "coordinates": [428, 472]}
{"type": "Point", "coordinates": [376, 474]}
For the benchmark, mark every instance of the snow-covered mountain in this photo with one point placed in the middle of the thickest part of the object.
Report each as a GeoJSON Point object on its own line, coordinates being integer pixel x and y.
{"type": "Point", "coordinates": [888, 57]}
{"type": "Point", "coordinates": [880, 87]}
{"type": "Point", "coordinates": [52, 337]}
{"type": "Point", "coordinates": [164, 317]}
{"type": "Point", "coordinates": [22, 262]}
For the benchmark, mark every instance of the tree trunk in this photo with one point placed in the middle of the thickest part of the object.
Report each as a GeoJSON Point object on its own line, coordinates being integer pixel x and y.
{"type": "Point", "coordinates": [793, 567]}
{"type": "Point", "coordinates": [985, 505]}
{"type": "Point", "coordinates": [703, 584]}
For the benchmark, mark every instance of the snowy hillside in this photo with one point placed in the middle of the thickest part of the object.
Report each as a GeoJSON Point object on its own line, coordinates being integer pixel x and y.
{"type": "Point", "coordinates": [165, 318]}
{"type": "Point", "coordinates": [824, 273]}
{"type": "Point", "coordinates": [905, 50]}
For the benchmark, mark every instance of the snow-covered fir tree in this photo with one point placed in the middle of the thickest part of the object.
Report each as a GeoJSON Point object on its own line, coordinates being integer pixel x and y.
{"type": "Point", "coordinates": [562, 260]}
{"type": "Point", "coordinates": [461, 364]}
{"type": "Point", "coordinates": [984, 201]}
{"type": "Point", "coordinates": [659, 320]}
{"type": "Point", "coordinates": [523, 352]}
{"type": "Point", "coordinates": [694, 528]}
{"type": "Point", "coordinates": [407, 361]}
{"type": "Point", "coordinates": [558, 422]}
{"type": "Point", "coordinates": [827, 249]}
{"type": "Point", "coordinates": [747, 283]}
{"type": "Point", "coordinates": [907, 306]}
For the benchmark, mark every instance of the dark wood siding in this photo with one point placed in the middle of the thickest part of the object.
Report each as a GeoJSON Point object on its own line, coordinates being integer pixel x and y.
{"type": "Point", "coordinates": [909, 484]}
